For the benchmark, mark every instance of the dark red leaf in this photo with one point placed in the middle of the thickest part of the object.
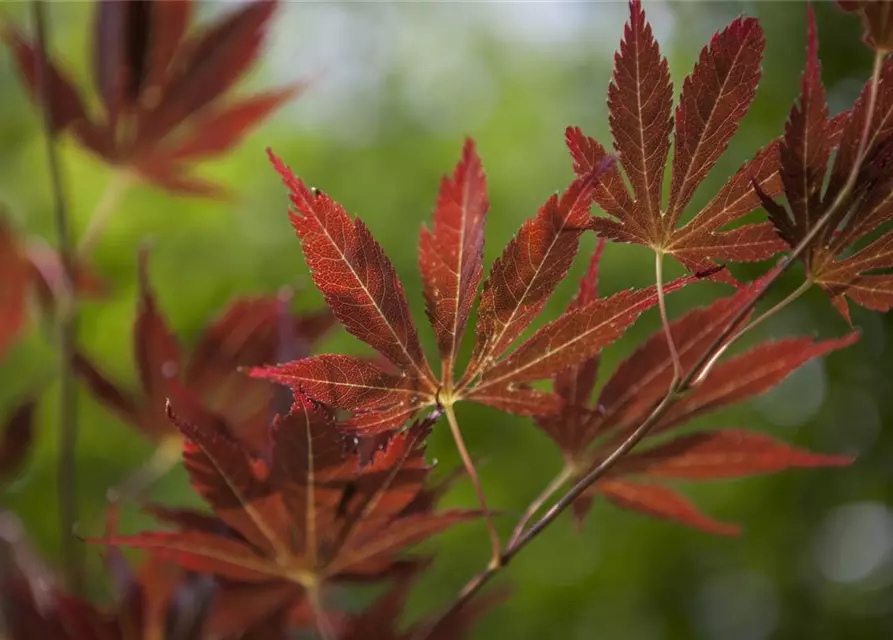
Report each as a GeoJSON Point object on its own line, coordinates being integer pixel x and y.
{"type": "Point", "coordinates": [661, 502]}
{"type": "Point", "coordinates": [715, 97]}
{"type": "Point", "coordinates": [66, 106]}
{"type": "Point", "coordinates": [451, 256]}
{"type": "Point", "coordinates": [215, 59]}
{"type": "Point", "coordinates": [217, 132]}
{"type": "Point", "coordinates": [357, 279]}
{"type": "Point", "coordinates": [640, 99]}
{"type": "Point", "coordinates": [722, 454]}
{"type": "Point", "coordinates": [14, 276]}
{"type": "Point", "coordinates": [531, 266]}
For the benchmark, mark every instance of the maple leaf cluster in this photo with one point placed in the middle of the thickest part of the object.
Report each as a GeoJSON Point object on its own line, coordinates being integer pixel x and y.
{"type": "Point", "coordinates": [162, 88]}
{"type": "Point", "coordinates": [313, 466]}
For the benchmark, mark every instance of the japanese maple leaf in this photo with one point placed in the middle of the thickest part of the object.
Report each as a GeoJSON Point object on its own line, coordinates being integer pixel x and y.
{"type": "Point", "coordinates": [844, 259]}
{"type": "Point", "coordinates": [309, 516]}
{"type": "Point", "coordinates": [714, 99]}
{"type": "Point", "coordinates": [587, 432]}
{"type": "Point", "coordinates": [365, 294]}
{"type": "Point", "coordinates": [250, 331]}
{"type": "Point", "coordinates": [27, 266]}
{"type": "Point", "coordinates": [156, 600]}
{"type": "Point", "coordinates": [162, 90]}
{"type": "Point", "coordinates": [877, 18]}
{"type": "Point", "coordinates": [14, 278]}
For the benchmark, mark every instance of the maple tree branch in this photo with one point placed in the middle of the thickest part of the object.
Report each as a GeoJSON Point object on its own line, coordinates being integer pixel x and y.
{"type": "Point", "coordinates": [664, 318]}
{"type": "Point", "coordinates": [495, 544]}
{"type": "Point", "coordinates": [678, 386]}
{"type": "Point", "coordinates": [111, 197]}
{"type": "Point", "coordinates": [789, 299]}
{"type": "Point", "coordinates": [538, 502]}
{"type": "Point", "coordinates": [67, 320]}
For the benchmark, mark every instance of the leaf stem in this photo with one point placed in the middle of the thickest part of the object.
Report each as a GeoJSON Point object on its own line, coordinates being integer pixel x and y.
{"type": "Point", "coordinates": [117, 186]}
{"type": "Point", "coordinates": [677, 387]}
{"type": "Point", "coordinates": [495, 544]}
{"type": "Point", "coordinates": [788, 300]}
{"type": "Point", "coordinates": [323, 624]}
{"type": "Point", "coordinates": [664, 318]}
{"type": "Point", "coordinates": [557, 482]}
{"type": "Point", "coordinates": [67, 319]}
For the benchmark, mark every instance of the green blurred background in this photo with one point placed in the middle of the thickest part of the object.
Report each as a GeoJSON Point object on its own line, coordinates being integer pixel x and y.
{"type": "Point", "coordinates": [397, 88]}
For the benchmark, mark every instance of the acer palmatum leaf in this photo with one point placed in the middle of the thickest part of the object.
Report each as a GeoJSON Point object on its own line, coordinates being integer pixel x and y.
{"type": "Point", "coordinates": [249, 332]}
{"type": "Point", "coordinates": [162, 88]}
{"type": "Point", "coordinates": [32, 265]}
{"type": "Point", "coordinates": [14, 277]}
{"type": "Point", "coordinates": [657, 501]}
{"type": "Point", "coordinates": [714, 99]}
{"type": "Point", "coordinates": [310, 515]}
{"type": "Point", "coordinates": [451, 256]}
{"type": "Point", "coordinates": [588, 431]}
{"type": "Point", "coordinates": [362, 288]}
{"type": "Point", "coordinates": [857, 200]}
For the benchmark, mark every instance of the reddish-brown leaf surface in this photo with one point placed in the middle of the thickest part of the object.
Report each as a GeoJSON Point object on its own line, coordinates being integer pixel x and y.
{"type": "Point", "coordinates": [846, 259]}
{"type": "Point", "coordinates": [587, 431]}
{"type": "Point", "coordinates": [151, 601]}
{"type": "Point", "coordinates": [163, 89]}
{"type": "Point", "coordinates": [14, 277]}
{"type": "Point", "coordinates": [714, 99]}
{"type": "Point", "coordinates": [249, 332]}
{"type": "Point", "coordinates": [311, 514]}
{"type": "Point", "coordinates": [362, 288]}
{"type": "Point", "coordinates": [451, 257]}
{"type": "Point", "coordinates": [31, 265]}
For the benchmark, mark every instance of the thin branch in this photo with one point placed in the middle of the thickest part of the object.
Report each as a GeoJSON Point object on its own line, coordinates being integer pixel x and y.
{"type": "Point", "coordinates": [805, 286]}
{"type": "Point", "coordinates": [664, 318]}
{"type": "Point", "coordinates": [68, 428]}
{"type": "Point", "coordinates": [677, 388]}
{"type": "Point", "coordinates": [495, 545]}
{"type": "Point", "coordinates": [538, 502]}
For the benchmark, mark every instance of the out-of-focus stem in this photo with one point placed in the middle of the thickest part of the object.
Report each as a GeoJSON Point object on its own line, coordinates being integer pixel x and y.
{"type": "Point", "coordinates": [67, 322]}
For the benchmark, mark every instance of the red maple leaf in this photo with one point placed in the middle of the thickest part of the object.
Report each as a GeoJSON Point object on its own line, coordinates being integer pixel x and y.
{"type": "Point", "coordinates": [310, 515]}
{"type": "Point", "coordinates": [714, 99]}
{"type": "Point", "coordinates": [33, 265]}
{"type": "Point", "coordinates": [250, 331]}
{"type": "Point", "coordinates": [162, 90]}
{"type": "Point", "coordinates": [14, 277]}
{"type": "Point", "coordinates": [365, 294]}
{"type": "Point", "coordinates": [844, 259]}
{"type": "Point", "coordinates": [587, 432]}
